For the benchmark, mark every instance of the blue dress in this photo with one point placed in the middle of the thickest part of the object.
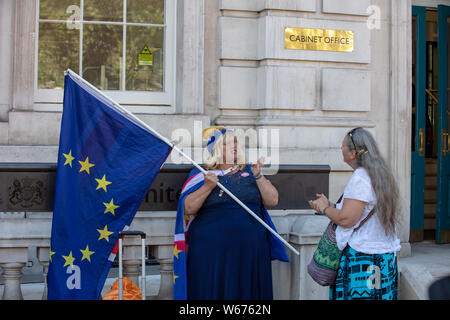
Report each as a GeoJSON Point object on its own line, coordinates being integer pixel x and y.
{"type": "Point", "coordinates": [228, 249]}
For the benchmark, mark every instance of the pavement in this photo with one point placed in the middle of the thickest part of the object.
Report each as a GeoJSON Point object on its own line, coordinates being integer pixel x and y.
{"type": "Point", "coordinates": [428, 262]}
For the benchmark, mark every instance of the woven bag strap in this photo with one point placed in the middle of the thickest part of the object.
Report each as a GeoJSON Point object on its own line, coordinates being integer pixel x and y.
{"type": "Point", "coordinates": [365, 219]}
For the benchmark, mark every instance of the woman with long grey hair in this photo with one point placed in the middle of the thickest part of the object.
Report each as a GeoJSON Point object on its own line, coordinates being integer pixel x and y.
{"type": "Point", "coordinates": [366, 215]}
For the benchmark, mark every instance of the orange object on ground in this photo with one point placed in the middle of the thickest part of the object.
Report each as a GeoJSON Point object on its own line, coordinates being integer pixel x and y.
{"type": "Point", "coordinates": [130, 291]}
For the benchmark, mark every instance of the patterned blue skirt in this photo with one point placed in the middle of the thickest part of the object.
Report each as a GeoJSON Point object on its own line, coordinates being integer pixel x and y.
{"type": "Point", "coordinates": [364, 276]}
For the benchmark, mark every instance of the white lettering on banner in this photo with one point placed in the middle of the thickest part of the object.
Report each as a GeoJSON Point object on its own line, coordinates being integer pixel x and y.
{"type": "Point", "coordinates": [74, 281]}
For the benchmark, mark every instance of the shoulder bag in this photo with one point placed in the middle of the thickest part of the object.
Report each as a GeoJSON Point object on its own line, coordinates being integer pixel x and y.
{"type": "Point", "coordinates": [325, 261]}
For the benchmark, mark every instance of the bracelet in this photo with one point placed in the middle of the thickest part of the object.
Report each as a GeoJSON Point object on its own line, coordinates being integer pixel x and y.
{"type": "Point", "coordinates": [259, 177]}
{"type": "Point", "coordinates": [324, 211]}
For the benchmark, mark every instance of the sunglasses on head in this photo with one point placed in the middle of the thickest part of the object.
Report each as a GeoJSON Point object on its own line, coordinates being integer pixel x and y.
{"type": "Point", "coordinates": [351, 137]}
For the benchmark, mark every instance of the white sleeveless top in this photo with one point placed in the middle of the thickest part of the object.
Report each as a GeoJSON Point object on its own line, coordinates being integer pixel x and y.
{"type": "Point", "coordinates": [371, 237]}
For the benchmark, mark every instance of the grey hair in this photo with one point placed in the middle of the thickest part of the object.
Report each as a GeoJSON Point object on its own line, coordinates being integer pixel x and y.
{"type": "Point", "coordinates": [383, 182]}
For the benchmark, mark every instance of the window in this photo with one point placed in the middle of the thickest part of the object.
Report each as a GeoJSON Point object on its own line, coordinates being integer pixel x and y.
{"type": "Point", "coordinates": [126, 47]}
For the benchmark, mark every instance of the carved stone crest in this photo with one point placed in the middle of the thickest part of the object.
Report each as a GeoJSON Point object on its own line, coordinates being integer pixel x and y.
{"type": "Point", "coordinates": [26, 193]}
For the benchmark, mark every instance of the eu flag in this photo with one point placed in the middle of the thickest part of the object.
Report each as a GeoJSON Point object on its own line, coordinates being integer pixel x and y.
{"type": "Point", "coordinates": [106, 163]}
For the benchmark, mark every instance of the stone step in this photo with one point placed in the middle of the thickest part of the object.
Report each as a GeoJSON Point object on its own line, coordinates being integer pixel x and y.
{"type": "Point", "coordinates": [431, 167]}
{"type": "Point", "coordinates": [429, 210]}
{"type": "Point", "coordinates": [430, 196]}
{"type": "Point", "coordinates": [427, 263]}
{"type": "Point", "coordinates": [429, 224]}
{"type": "Point", "coordinates": [430, 182]}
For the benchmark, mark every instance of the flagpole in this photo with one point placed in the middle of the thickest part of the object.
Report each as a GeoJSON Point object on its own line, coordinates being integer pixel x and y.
{"type": "Point", "coordinates": [145, 126]}
{"type": "Point", "coordinates": [240, 203]}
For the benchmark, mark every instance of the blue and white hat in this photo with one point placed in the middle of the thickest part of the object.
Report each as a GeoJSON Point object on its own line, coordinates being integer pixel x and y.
{"type": "Point", "coordinates": [212, 134]}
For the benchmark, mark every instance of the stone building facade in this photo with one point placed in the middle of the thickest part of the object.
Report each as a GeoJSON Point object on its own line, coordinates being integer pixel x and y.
{"type": "Point", "coordinates": [226, 64]}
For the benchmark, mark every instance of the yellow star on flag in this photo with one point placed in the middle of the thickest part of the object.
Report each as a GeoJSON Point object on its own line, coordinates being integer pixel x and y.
{"type": "Point", "coordinates": [176, 251]}
{"type": "Point", "coordinates": [69, 158]}
{"type": "Point", "coordinates": [174, 277]}
{"type": "Point", "coordinates": [102, 183]}
{"type": "Point", "coordinates": [87, 254]}
{"type": "Point", "coordinates": [69, 259]}
{"type": "Point", "coordinates": [110, 207]}
{"type": "Point", "coordinates": [50, 254]}
{"type": "Point", "coordinates": [85, 165]}
{"type": "Point", "coordinates": [104, 234]}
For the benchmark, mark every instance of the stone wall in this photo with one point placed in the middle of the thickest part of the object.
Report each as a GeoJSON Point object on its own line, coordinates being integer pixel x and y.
{"type": "Point", "coordinates": [314, 97]}
{"type": "Point", "coordinates": [232, 69]}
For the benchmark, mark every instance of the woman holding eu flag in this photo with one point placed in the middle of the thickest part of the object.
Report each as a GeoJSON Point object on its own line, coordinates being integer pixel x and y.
{"type": "Point", "coordinates": [229, 252]}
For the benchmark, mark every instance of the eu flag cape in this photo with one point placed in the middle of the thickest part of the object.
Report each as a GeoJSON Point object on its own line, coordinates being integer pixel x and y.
{"type": "Point", "coordinates": [106, 163]}
{"type": "Point", "coordinates": [180, 282]}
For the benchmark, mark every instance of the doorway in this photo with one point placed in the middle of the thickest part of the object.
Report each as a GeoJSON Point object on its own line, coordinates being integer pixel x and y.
{"type": "Point", "coordinates": [430, 215]}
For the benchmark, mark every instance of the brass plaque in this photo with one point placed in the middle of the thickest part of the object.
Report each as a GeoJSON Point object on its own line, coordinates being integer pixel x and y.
{"type": "Point", "coordinates": [318, 39]}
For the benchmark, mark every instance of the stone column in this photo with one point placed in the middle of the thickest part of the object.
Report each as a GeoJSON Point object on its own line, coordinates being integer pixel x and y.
{"type": "Point", "coordinates": [43, 257]}
{"type": "Point", "coordinates": [12, 260]}
{"type": "Point", "coordinates": [131, 270]}
{"type": "Point", "coordinates": [305, 235]}
{"type": "Point", "coordinates": [400, 115]}
{"type": "Point", "coordinates": [12, 273]}
{"type": "Point", "coordinates": [164, 255]}
{"type": "Point", "coordinates": [7, 9]}
{"type": "Point", "coordinates": [131, 260]}
{"type": "Point", "coordinates": [190, 34]}
{"type": "Point", "coordinates": [25, 33]}
{"type": "Point", "coordinates": [281, 271]}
